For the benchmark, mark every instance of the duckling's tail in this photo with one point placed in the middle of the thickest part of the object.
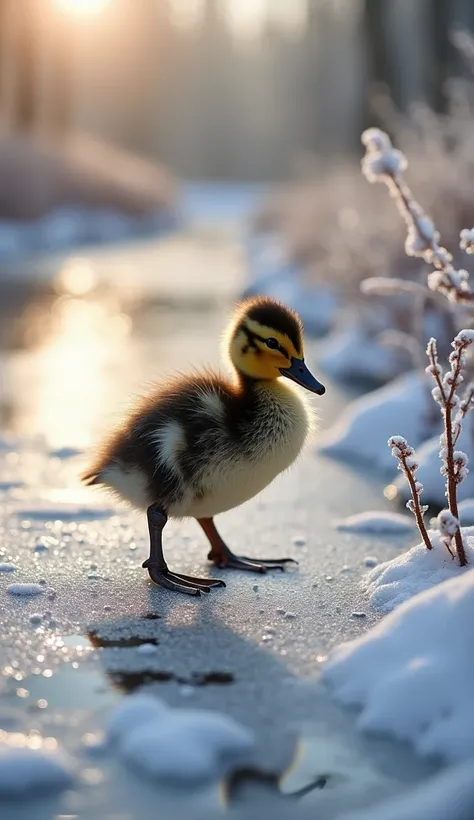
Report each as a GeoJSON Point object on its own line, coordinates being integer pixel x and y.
{"type": "Point", "coordinates": [91, 477]}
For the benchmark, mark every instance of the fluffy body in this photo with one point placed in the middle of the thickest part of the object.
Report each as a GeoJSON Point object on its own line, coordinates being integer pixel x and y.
{"type": "Point", "coordinates": [202, 445]}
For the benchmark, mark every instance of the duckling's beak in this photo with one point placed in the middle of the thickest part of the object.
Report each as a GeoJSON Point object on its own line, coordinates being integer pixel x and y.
{"type": "Point", "coordinates": [299, 373]}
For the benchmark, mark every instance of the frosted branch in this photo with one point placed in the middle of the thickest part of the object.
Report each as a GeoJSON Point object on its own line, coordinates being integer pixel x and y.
{"type": "Point", "coordinates": [383, 163]}
{"type": "Point", "coordinates": [408, 464]}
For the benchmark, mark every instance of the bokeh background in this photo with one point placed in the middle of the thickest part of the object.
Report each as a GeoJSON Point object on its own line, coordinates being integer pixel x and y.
{"type": "Point", "coordinates": [158, 158]}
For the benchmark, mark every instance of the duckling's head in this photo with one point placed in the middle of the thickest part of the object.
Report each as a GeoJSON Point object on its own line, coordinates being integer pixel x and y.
{"type": "Point", "coordinates": [266, 342]}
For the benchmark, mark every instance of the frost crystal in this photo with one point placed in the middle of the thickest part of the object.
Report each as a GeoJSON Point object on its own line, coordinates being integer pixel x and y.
{"type": "Point", "coordinates": [447, 523]}
{"type": "Point", "coordinates": [467, 240]}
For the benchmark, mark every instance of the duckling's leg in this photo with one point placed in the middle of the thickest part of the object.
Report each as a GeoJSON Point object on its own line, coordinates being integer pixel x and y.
{"type": "Point", "coordinates": [157, 566]}
{"type": "Point", "coordinates": [221, 555]}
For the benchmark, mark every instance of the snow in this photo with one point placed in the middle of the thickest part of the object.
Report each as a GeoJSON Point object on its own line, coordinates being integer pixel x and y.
{"type": "Point", "coordinates": [446, 795]}
{"type": "Point", "coordinates": [411, 674]}
{"type": "Point", "coordinates": [388, 523]}
{"type": "Point", "coordinates": [68, 227]}
{"type": "Point", "coordinates": [147, 649]}
{"type": "Point", "coordinates": [177, 745]}
{"type": "Point", "coordinates": [351, 354]}
{"type": "Point", "coordinates": [133, 712]}
{"type": "Point", "coordinates": [26, 772]}
{"type": "Point", "coordinates": [360, 435]}
{"type": "Point", "coordinates": [273, 274]}
{"type": "Point", "coordinates": [25, 589]}
{"type": "Point", "coordinates": [393, 582]}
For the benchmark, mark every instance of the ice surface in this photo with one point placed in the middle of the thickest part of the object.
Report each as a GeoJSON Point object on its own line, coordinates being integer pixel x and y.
{"type": "Point", "coordinates": [361, 433]}
{"type": "Point", "coordinates": [387, 523]}
{"type": "Point", "coordinates": [177, 745]}
{"type": "Point", "coordinates": [419, 569]}
{"type": "Point", "coordinates": [449, 795]}
{"type": "Point", "coordinates": [412, 674]}
{"type": "Point", "coordinates": [27, 772]}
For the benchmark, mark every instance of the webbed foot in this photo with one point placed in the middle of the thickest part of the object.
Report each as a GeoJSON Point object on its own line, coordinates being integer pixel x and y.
{"type": "Point", "coordinates": [176, 582]}
{"type": "Point", "coordinates": [225, 559]}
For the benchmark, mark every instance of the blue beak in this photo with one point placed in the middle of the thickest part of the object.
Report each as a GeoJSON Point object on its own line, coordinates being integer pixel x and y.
{"type": "Point", "coordinates": [299, 373]}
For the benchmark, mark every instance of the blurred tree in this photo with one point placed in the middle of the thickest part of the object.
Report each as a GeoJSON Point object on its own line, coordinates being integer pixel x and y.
{"type": "Point", "coordinates": [62, 76]}
{"type": "Point", "coordinates": [25, 31]}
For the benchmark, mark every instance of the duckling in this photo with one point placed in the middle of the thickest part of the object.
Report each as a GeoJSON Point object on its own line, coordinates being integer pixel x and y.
{"type": "Point", "coordinates": [203, 444]}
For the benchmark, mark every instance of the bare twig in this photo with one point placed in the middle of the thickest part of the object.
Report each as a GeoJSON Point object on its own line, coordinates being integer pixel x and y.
{"type": "Point", "coordinates": [408, 465]}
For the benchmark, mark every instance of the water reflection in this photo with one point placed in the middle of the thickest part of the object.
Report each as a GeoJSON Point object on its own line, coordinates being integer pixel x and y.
{"type": "Point", "coordinates": [85, 339]}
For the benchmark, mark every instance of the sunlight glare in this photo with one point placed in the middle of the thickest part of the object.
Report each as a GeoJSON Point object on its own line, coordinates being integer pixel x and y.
{"type": "Point", "coordinates": [83, 7]}
{"type": "Point", "coordinates": [246, 17]}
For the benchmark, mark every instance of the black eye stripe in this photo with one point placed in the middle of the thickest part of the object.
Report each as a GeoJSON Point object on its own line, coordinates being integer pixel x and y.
{"type": "Point", "coordinates": [252, 337]}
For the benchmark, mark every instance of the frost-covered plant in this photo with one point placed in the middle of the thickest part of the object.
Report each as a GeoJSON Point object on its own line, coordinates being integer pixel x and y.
{"type": "Point", "coordinates": [453, 462]}
{"type": "Point", "coordinates": [384, 163]}
{"type": "Point", "coordinates": [408, 464]}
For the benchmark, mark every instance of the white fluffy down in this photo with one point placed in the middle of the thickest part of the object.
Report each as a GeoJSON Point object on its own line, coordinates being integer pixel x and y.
{"type": "Point", "coordinates": [385, 523]}
{"type": "Point", "coordinates": [24, 771]}
{"type": "Point", "coordinates": [448, 795]}
{"type": "Point", "coordinates": [361, 433]}
{"type": "Point", "coordinates": [412, 673]}
{"type": "Point", "coordinates": [393, 582]}
{"type": "Point", "coordinates": [176, 745]}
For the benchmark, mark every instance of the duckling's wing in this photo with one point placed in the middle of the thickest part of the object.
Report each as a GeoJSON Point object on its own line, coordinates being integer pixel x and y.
{"type": "Point", "coordinates": [165, 443]}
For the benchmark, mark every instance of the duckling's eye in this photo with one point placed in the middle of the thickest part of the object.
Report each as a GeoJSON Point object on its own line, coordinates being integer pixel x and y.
{"type": "Point", "coordinates": [272, 343]}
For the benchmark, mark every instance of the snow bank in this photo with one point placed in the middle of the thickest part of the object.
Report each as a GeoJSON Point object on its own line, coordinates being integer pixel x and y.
{"type": "Point", "coordinates": [384, 523]}
{"type": "Point", "coordinates": [176, 745]}
{"type": "Point", "coordinates": [361, 433]}
{"type": "Point", "coordinates": [417, 570]}
{"type": "Point", "coordinates": [353, 355]}
{"type": "Point", "coordinates": [25, 589]}
{"type": "Point", "coordinates": [447, 795]}
{"type": "Point", "coordinates": [273, 274]}
{"type": "Point", "coordinates": [412, 673]}
{"type": "Point", "coordinates": [25, 772]}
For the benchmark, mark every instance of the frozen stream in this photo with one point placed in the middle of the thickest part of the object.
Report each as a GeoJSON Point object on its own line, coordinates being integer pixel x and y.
{"type": "Point", "coordinates": [94, 328]}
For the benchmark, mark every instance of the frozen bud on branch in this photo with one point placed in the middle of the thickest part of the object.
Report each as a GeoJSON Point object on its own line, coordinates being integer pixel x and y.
{"type": "Point", "coordinates": [381, 159]}
{"type": "Point", "coordinates": [448, 527]}
{"type": "Point", "coordinates": [467, 240]}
